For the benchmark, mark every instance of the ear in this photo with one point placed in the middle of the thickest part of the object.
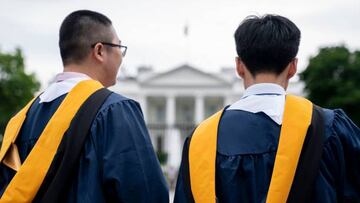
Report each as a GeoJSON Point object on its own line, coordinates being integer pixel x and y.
{"type": "Point", "coordinates": [292, 68]}
{"type": "Point", "coordinates": [98, 52]}
{"type": "Point", "coordinates": [240, 67]}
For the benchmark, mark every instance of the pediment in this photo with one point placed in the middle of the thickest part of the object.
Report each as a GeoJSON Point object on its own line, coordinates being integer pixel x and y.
{"type": "Point", "coordinates": [185, 75]}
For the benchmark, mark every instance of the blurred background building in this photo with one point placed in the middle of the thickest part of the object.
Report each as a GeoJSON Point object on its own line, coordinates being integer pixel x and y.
{"type": "Point", "coordinates": [175, 101]}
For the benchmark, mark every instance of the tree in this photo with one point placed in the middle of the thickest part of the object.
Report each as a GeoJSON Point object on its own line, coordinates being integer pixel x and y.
{"type": "Point", "coordinates": [16, 86]}
{"type": "Point", "coordinates": [332, 80]}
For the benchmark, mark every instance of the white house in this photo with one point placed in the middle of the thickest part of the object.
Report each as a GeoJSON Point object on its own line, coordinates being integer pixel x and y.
{"type": "Point", "coordinates": [175, 101]}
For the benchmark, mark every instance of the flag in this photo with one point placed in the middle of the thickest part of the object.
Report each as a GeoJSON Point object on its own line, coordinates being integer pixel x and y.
{"type": "Point", "coordinates": [186, 30]}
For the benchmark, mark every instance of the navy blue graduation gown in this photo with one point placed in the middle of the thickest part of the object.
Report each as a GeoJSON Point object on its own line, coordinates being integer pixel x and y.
{"type": "Point", "coordinates": [118, 163]}
{"type": "Point", "coordinates": [246, 150]}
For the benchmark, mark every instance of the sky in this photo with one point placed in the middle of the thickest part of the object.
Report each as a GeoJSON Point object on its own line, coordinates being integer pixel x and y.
{"type": "Point", "coordinates": [153, 30]}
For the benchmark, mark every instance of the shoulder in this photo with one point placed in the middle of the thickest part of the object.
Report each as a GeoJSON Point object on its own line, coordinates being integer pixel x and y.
{"type": "Point", "coordinates": [116, 107]}
{"type": "Point", "coordinates": [115, 99]}
{"type": "Point", "coordinates": [120, 104]}
{"type": "Point", "coordinates": [340, 128]}
{"type": "Point", "coordinates": [118, 115]}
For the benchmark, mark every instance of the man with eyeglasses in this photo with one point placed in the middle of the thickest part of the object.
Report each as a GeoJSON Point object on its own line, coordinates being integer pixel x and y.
{"type": "Point", "coordinates": [78, 141]}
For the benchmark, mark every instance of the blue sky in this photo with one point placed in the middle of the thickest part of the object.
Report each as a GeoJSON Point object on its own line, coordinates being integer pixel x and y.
{"type": "Point", "coordinates": [153, 29]}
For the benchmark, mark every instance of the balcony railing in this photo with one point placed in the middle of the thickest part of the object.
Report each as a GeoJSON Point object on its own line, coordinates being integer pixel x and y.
{"type": "Point", "coordinates": [184, 128]}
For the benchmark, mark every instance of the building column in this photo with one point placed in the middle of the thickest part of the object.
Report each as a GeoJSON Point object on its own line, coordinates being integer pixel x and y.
{"type": "Point", "coordinates": [199, 109]}
{"type": "Point", "coordinates": [143, 104]}
{"type": "Point", "coordinates": [172, 137]}
{"type": "Point", "coordinates": [170, 111]}
{"type": "Point", "coordinates": [174, 147]}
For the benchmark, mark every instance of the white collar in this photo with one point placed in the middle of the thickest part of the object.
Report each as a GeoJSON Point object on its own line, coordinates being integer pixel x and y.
{"type": "Point", "coordinates": [62, 84]}
{"type": "Point", "coordinates": [268, 98]}
{"type": "Point", "coordinates": [264, 89]}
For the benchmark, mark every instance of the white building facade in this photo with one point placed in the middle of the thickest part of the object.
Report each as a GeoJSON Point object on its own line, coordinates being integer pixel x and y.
{"type": "Point", "coordinates": [175, 101]}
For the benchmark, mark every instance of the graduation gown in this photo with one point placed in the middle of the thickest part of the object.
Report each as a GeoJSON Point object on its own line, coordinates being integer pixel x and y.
{"type": "Point", "coordinates": [246, 148]}
{"type": "Point", "coordinates": [118, 163]}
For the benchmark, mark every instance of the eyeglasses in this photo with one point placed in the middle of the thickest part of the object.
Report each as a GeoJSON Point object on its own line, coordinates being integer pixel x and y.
{"type": "Point", "coordinates": [122, 47]}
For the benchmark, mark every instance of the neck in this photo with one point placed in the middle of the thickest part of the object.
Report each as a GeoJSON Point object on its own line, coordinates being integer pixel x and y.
{"type": "Point", "coordinates": [82, 69]}
{"type": "Point", "coordinates": [266, 78]}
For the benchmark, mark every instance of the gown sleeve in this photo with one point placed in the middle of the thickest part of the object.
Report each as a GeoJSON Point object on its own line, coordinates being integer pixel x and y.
{"type": "Point", "coordinates": [349, 136]}
{"type": "Point", "coordinates": [129, 167]}
{"type": "Point", "coordinates": [339, 175]}
{"type": "Point", "coordinates": [183, 192]}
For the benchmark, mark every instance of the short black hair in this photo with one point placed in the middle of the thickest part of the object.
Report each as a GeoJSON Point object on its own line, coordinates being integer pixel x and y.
{"type": "Point", "coordinates": [79, 31]}
{"type": "Point", "coordinates": [267, 44]}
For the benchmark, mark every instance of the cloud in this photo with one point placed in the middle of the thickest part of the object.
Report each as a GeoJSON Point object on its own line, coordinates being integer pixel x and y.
{"type": "Point", "coordinates": [153, 29]}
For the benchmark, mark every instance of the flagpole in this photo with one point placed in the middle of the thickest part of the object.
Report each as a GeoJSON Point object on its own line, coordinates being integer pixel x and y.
{"type": "Point", "coordinates": [186, 42]}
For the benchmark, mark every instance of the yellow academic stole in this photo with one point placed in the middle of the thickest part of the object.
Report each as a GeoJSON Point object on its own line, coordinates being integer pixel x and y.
{"type": "Point", "coordinates": [30, 175]}
{"type": "Point", "coordinates": [202, 152]}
